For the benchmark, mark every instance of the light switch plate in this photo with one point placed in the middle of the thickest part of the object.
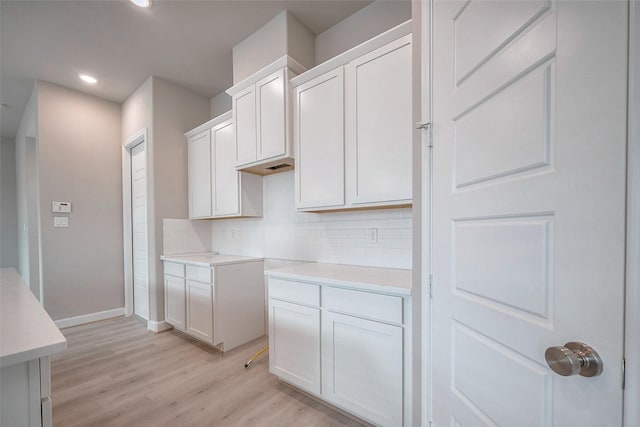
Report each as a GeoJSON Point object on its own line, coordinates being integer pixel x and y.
{"type": "Point", "coordinates": [60, 221]}
{"type": "Point", "coordinates": [61, 207]}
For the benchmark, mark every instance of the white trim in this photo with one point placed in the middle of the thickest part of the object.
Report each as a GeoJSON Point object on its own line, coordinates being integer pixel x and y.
{"type": "Point", "coordinates": [632, 297]}
{"type": "Point", "coordinates": [158, 326]}
{"type": "Point", "coordinates": [283, 62]}
{"type": "Point", "coordinates": [139, 138]}
{"type": "Point", "coordinates": [210, 124]}
{"type": "Point", "coordinates": [88, 318]}
{"type": "Point", "coordinates": [354, 53]}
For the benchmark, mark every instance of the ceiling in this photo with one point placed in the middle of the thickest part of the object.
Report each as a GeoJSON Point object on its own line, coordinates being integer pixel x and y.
{"type": "Point", "coordinates": [186, 42]}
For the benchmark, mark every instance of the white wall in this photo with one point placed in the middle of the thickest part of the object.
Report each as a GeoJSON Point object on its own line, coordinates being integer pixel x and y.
{"type": "Point", "coordinates": [366, 23]}
{"type": "Point", "coordinates": [8, 205]}
{"type": "Point", "coordinates": [167, 111]}
{"type": "Point", "coordinates": [28, 223]}
{"type": "Point", "coordinates": [336, 237]}
{"type": "Point", "coordinates": [283, 35]}
{"type": "Point", "coordinates": [79, 162]}
{"type": "Point", "coordinates": [219, 104]}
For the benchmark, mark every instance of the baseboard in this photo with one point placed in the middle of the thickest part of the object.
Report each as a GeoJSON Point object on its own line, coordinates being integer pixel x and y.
{"type": "Point", "coordinates": [88, 318]}
{"type": "Point", "coordinates": [158, 326]}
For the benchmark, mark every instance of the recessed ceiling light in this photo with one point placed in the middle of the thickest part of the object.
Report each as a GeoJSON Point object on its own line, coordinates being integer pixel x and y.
{"type": "Point", "coordinates": [88, 79]}
{"type": "Point", "coordinates": [141, 3]}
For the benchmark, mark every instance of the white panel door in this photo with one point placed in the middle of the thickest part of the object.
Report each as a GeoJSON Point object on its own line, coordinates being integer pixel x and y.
{"type": "Point", "coordinates": [271, 109]}
{"type": "Point", "coordinates": [362, 367]}
{"type": "Point", "coordinates": [139, 229]}
{"type": "Point", "coordinates": [244, 125]}
{"type": "Point", "coordinates": [319, 135]}
{"type": "Point", "coordinates": [379, 124]}
{"type": "Point", "coordinates": [200, 310]}
{"type": "Point", "coordinates": [294, 344]}
{"type": "Point", "coordinates": [200, 175]}
{"type": "Point", "coordinates": [529, 107]}
{"type": "Point", "coordinates": [175, 302]}
{"type": "Point", "coordinates": [226, 180]}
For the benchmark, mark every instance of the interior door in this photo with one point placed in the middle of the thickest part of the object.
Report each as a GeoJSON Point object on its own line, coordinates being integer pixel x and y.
{"type": "Point", "coordinates": [139, 228]}
{"type": "Point", "coordinates": [529, 107]}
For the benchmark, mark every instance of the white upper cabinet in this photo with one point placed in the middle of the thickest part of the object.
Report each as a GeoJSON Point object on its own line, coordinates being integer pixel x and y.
{"type": "Point", "coordinates": [272, 116]}
{"type": "Point", "coordinates": [379, 127]}
{"type": "Point", "coordinates": [353, 127]}
{"type": "Point", "coordinates": [216, 189]}
{"type": "Point", "coordinates": [244, 112]}
{"type": "Point", "coordinates": [319, 135]}
{"type": "Point", "coordinates": [262, 115]}
{"type": "Point", "coordinates": [200, 174]}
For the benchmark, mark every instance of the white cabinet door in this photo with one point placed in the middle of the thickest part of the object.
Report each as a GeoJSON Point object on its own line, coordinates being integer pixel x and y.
{"type": "Point", "coordinates": [294, 344]}
{"type": "Point", "coordinates": [271, 115]}
{"type": "Point", "coordinates": [226, 180]}
{"type": "Point", "coordinates": [175, 302]}
{"type": "Point", "coordinates": [200, 175]}
{"type": "Point", "coordinates": [319, 136]}
{"type": "Point", "coordinates": [200, 311]}
{"type": "Point", "coordinates": [362, 367]}
{"type": "Point", "coordinates": [379, 124]}
{"type": "Point", "coordinates": [244, 125]}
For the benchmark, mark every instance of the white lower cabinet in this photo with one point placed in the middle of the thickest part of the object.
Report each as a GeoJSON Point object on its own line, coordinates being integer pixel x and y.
{"type": "Point", "coordinates": [176, 313]}
{"type": "Point", "coordinates": [200, 311]}
{"type": "Point", "coordinates": [347, 347]}
{"type": "Point", "coordinates": [362, 367]}
{"type": "Point", "coordinates": [294, 342]}
{"type": "Point", "coordinates": [221, 305]}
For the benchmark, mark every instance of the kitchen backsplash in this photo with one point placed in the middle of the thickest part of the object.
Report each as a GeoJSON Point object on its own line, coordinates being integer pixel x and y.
{"type": "Point", "coordinates": [283, 233]}
{"type": "Point", "coordinates": [182, 236]}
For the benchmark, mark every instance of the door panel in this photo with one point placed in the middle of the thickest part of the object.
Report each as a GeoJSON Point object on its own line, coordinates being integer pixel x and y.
{"type": "Point", "coordinates": [139, 231]}
{"type": "Point", "coordinates": [529, 107]}
{"type": "Point", "coordinates": [175, 302]}
{"type": "Point", "coordinates": [270, 96]}
{"type": "Point", "coordinates": [226, 179]}
{"type": "Point", "coordinates": [200, 175]}
{"type": "Point", "coordinates": [200, 311]}
{"type": "Point", "coordinates": [244, 125]}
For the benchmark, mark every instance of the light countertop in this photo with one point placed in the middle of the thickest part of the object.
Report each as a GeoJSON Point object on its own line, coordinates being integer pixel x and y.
{"type": "Point", "coordinates": [208, 259]}
{"type": "Point", "coordinates": [26, 330]}
{"type": "Point", "coordinates": [387, 280]}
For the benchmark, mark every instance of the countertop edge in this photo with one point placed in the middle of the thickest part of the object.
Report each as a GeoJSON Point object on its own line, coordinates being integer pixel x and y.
{"type": "Point", "coordinates": [33, 354]}
{"type": "Point", "coordinates": [179, 259]}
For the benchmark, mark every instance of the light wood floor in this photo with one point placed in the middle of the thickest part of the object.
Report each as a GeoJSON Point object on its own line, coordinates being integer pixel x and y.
{"type": "Point", "coordinates": [116, 373]}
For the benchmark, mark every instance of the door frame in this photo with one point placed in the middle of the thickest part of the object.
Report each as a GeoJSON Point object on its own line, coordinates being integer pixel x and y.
{"type": "Point", "coordinates": [139, 138]}
{"type": "Point", "coordinates": [632, 292]}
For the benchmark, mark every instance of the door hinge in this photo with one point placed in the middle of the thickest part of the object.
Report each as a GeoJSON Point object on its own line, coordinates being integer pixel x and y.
{"type": "Point", "coordinates": [430, 286]}
{"type": "Point", "coordinates": [624, 372]}
{"type": "Point", "coordinates": [427, 137]}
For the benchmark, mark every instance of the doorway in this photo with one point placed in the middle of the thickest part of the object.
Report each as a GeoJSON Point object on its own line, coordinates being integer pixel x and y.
{"type": "Point", "coordinates": [136, 236]}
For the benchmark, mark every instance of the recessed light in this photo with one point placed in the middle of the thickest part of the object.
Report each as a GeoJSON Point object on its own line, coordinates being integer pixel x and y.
{"type": "Point", "coordinates": [88, 79]}
{"type": "Point", "coordinates": [141, 3]}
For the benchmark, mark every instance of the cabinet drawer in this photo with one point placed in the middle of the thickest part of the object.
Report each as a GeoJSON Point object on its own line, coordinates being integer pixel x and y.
{"type": "Point", "coordinates": [302, 293]}
{"type": "Point", "coordinates": [386, 308]}
{"type": "Point", "coordinates": [174, 269]}
{"type": "Point", "coordinates": [200, 274]}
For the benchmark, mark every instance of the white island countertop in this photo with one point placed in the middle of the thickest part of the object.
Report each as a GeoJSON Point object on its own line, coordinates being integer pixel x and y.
{"type": "Point", "coordinates": [26, 330]}
{"type": "Point", "coordinates": [208, 259]}
{"type": "Point", "coordinates": [387, 280]}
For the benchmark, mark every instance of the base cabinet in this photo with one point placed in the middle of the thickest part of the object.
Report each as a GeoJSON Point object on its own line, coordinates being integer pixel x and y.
{"type": "Point", "coordinates": [353, 349]}
{"type": "Point", "coordinates": [294, 342]}
{"type": "Point", "coordinates": [200, 311]}
{"type": "Point", "coordinates": [221, 305]}
{"type": "Point", "coordinates": [346, 347]}
{"type": "Point", "coordinates": [176, 313]}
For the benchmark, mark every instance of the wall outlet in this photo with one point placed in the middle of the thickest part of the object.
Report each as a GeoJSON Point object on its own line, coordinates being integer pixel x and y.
{"type": "Point", "coordinates": [234, 234]}
{"type": "Point", "coordinates": [372, 235]}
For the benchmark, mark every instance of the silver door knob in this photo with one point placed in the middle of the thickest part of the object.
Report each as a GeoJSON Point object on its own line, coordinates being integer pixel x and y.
{"type": "Point", "coordinates": [573, 359]}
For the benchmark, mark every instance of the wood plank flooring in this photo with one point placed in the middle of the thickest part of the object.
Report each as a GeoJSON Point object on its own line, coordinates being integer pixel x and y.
{"type": "Point", "coordinates": [116, 373]}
